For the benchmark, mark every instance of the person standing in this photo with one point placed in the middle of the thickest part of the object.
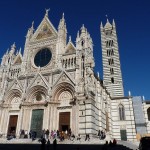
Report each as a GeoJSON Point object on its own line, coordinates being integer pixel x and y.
{"type": "Point", "coordinates": [55, 144]}
{"type": "Point", "coordinates": [47, 134]}
{"type": "Point", "coordinates": [48, 144]}
{"type": "Point", "coordinates": [43, 141]}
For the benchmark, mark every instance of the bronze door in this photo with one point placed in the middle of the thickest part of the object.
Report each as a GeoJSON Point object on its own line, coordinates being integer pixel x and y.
{"type": "Point", "coordinates": [37, 121]}
{"type": "Point", "coordinates": [123, 134]}
{"type": "Point", "coordinates": [12, 125]}
{"type": "Point", "coordinates": [64, 121]}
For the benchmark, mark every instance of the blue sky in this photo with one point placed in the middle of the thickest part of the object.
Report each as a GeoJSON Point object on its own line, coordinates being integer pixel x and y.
{"type": "Point", "coordinates": [132, 19]}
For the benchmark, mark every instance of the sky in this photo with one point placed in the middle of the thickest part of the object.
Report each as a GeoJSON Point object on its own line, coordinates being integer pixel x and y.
{"type": "Point", "coordinates": [132, 18]}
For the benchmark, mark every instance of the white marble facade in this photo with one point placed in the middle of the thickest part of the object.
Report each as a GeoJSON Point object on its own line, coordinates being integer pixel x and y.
{"type": "Point", "coordinates": [64, 82]}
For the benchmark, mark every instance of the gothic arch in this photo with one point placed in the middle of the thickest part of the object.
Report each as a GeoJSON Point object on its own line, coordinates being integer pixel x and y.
{"type": "Point", "coordinates": [121, 111]}
{"type": "Point", "coordinates": [38, 93]}
{"type": "Point", "coordinates": [13, 95]}
{"type": "Point", "coordinates": [62, 89]}
{"type": "Point", "coordinates": [148, 113]}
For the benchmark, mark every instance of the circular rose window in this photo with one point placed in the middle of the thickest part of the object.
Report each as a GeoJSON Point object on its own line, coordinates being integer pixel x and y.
{"type": "Point", "coordinates": [43, 57]}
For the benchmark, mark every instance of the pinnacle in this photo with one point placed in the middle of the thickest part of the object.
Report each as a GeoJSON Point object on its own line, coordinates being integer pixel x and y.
{"type": "Point", "coordinates": [20, 50]}
{"type": "Point", "coordinates": [13, 46]}
{"type": "Point", "coordinates": [32, 25]}
{"type": "Point", "coordinates": [69, 38]}
{"type": "Point", "coordinates": [63, 15]}
{"type": "Point", "coordinates": [101, 25]}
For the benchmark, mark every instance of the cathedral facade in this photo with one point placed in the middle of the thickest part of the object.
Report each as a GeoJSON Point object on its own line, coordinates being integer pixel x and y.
{"type": "Point", "coordinates": [53, 85]}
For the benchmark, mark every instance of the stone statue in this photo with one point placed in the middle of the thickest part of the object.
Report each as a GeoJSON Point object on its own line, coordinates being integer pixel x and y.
{"type": "Point", "coordinates": [90, 80]}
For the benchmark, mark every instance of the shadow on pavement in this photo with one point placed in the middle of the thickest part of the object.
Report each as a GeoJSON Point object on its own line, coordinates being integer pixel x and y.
{"type": "Point", "coordinates": [60, 147]}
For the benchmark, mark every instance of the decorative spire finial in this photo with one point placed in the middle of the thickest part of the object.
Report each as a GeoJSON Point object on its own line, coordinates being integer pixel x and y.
{"type": "Point", "coordinates": [143, 98]}
{"type": "Point", "coordinates": [101, 25]}
{"type": "Point", "coordinates": [129, 92]}
{"type": "Point", "coordinates": [78, 34]}
{"type": "Point", "coordinates": [32, 24]}
{"type": "Point", "coordinates": [7, 51]}
{"type": "Point", "coordinates": [82, 28]}
{"type": "Point", "coordinates": [107, 17]}
{"type": "Point", "coordinates": [63, 15]}
{"type": "Point", "coordinates": [113, 22]}
{"type": "Point", "coordinates": [98, 74]}
{"type": "Point", "coordinates": [20, 50]}
{"type": "Point", "coordinates": [13, 46]}
{"type": "Point", "coordinates": [69, 38]}
{"type": "Point", "coordinates": [17, 52]}
{"type": "Point", "coordinates": [47, 10]}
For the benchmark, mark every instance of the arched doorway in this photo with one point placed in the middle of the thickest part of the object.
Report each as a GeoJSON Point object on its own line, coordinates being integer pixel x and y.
{"type": "Point", "coordinates": [13, 99]}
{"type": "Point", "coordinates": [64, 121]}
{"type": "Point", "coordinates": [64, 117]}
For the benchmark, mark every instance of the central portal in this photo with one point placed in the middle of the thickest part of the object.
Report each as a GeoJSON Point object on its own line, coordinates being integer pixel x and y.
{"type": "Point", "coordinates": [37, 121]}
{"type": "Point", "coordinates": [64, 121]}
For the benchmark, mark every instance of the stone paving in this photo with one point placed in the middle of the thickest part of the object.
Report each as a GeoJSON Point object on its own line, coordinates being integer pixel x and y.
{"type": "Point", "coordinates": [92, 141]}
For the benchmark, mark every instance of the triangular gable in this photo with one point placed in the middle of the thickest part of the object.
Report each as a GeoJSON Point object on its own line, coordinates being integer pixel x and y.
{"type": "Point", "coordinates": [15, 85]}
{"type": "Point", "coordinates": [18, 59]}
{"type": "Point", "coordinates": [64, 77]}
{"type": "Point", "coordinates": [39, 80]}
{"type": "Point", "coordinates": [44, 30]}
{"type": "Point", "coordinates": [70, 48]}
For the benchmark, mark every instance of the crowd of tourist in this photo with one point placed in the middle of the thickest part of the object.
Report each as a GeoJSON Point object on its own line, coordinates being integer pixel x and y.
{"type": "Point", "coordinates": [55, 135]}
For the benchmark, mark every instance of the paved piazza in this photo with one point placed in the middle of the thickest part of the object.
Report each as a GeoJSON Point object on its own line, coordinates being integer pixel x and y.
{"type": "Point", "coordinates": [92, 144]}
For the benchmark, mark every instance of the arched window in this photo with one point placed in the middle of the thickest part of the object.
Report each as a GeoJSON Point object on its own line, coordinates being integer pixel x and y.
{"type": "Point", "coordinates": [112, 80]}
{"type": "Point", "coordinates": [82, 42]}
{"type": "Point", "coordinates": [111, 71]}
{"type": "Point", "coordinates": [121, 112]}
{"type": "Point", "coordinates": [148, 113]}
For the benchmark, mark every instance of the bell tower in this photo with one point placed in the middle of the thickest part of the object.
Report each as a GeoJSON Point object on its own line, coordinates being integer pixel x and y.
{"type": "Point", "coordinates": [112, 76]}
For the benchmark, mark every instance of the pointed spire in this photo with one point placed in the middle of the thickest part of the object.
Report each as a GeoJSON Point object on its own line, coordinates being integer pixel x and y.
{"type": "Point", "coordinates": [108, 21]}
{"type": "Point", "coordinates": [78, 37]}
{"type": "Point", "coordinates": [17, 53]}
{"type": "Point", "coordinates": [7, 51]}
{"type": "Point", "coordinates": [83, 30]}
{"type": "Point", "coordinates": [13, 47]}
{"type": "Point", "coordinates": [101, 26]}
{"type": "Point", "coordinates": [32, 27]}
{"type": "Point", "coordinates": [78, 34]}
{"type": "Point", "coordinates": [113, 23]}
{"type": "Point", "coordinates": [20, 50]}
{"type": "Point", "coordinates": [30, 31]}
{"type": "Point", "coordinates": [62, 24]}
{"type": "Point", "coordinates": [108, 25]}
{"type": "Point", "coordinates": [86, 32]}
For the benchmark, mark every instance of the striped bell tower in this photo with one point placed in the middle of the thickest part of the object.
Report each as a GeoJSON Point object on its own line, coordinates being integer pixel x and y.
{"type": "Point", "coordinates": [112, 76]}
